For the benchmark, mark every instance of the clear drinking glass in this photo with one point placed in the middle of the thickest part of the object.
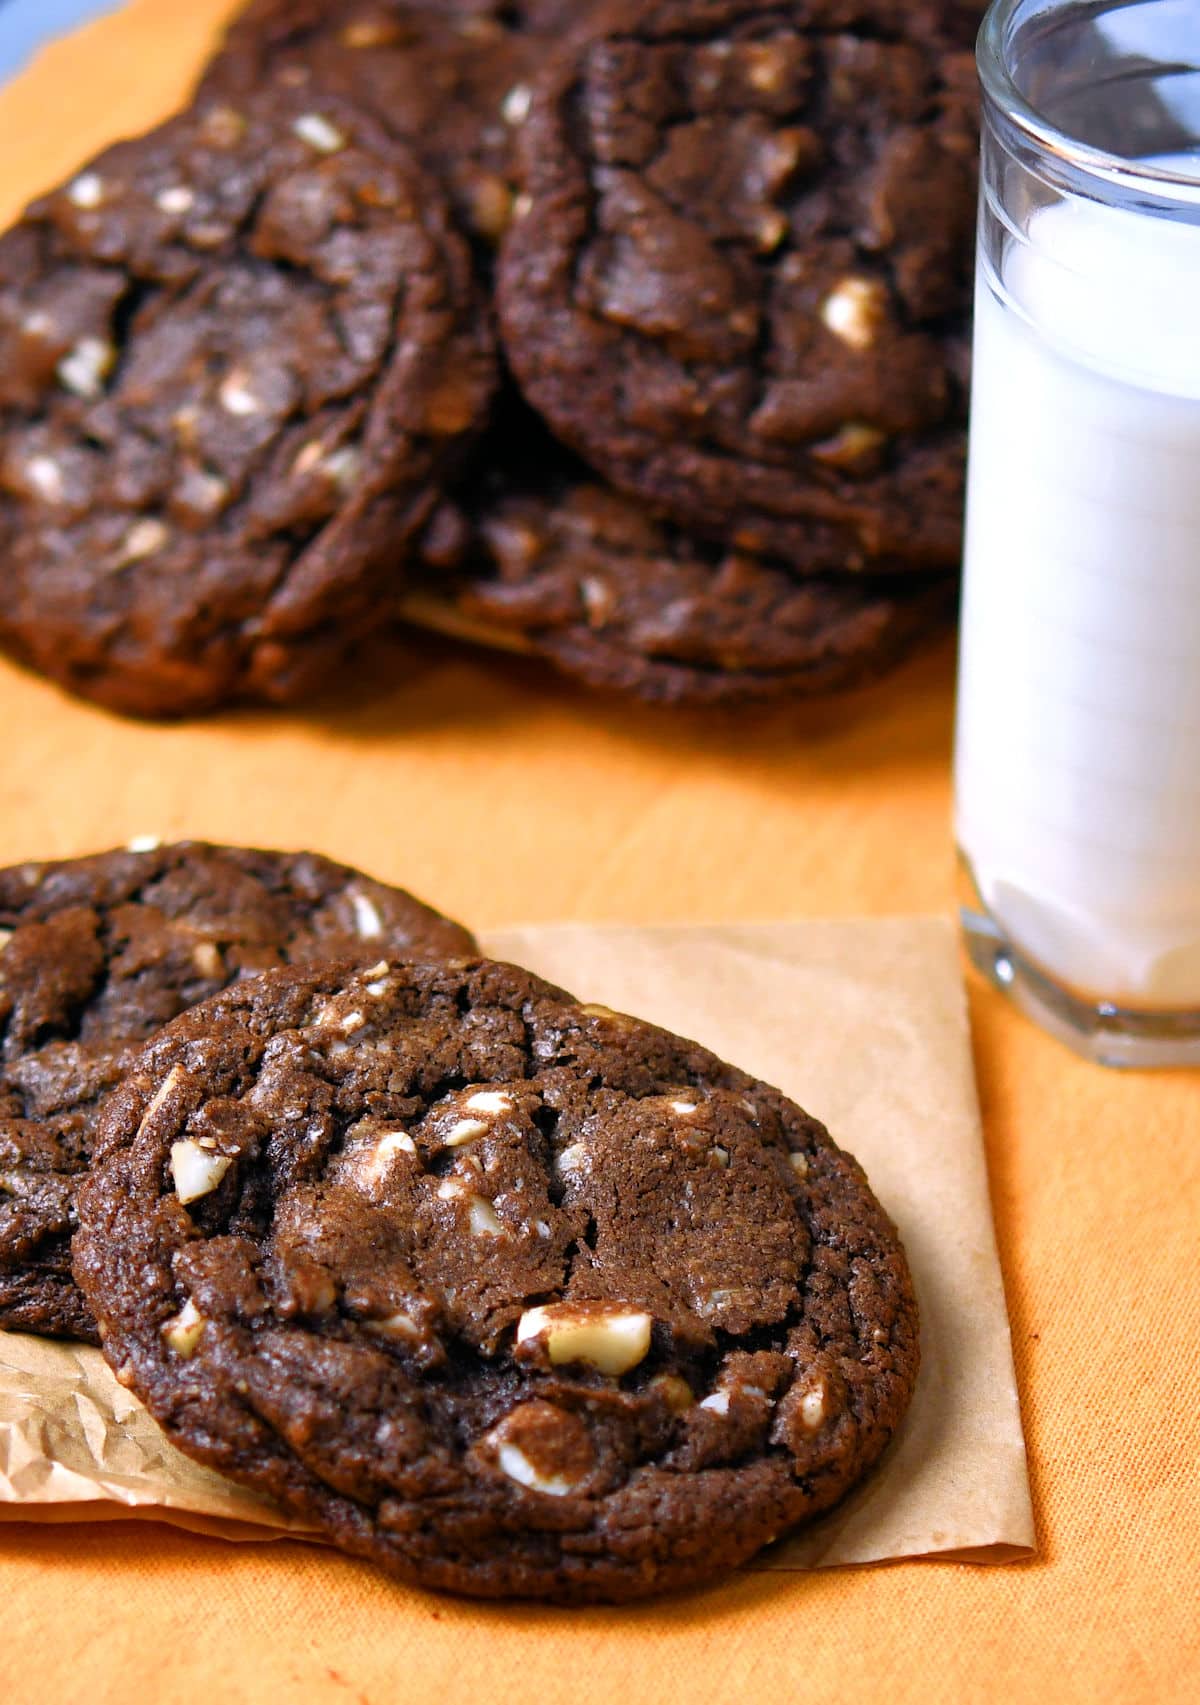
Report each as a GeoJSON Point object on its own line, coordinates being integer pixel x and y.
{"type": "Point", "coordinates": [1077, 763]}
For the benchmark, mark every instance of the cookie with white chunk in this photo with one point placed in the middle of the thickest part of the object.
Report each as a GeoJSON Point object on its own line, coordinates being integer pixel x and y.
{"type": "Point", "coordinates": [451, 77]}
{"type": "Point", "coordinates": [513, 1296]}
{"type": "Point", "coordinates": [536, 552]}
{"type": "Point", "coordinates": [739, 283]}
{"type": "Point", "coordinates": [236, 357]}
{"type": "Point", "coordinates": [95, 954]}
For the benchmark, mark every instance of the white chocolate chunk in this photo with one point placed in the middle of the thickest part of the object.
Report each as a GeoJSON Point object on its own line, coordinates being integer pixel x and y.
{"type": "Point", "coordinates": [6, 936]}
{"type": "Point", "coordinates": [343, 466]}
{"type": "Point", "coordinates": [483, 1218]}
{"type": "Point", "coordinates": [718, 1403]}
{"type": "Point", "coordinates": [206, 957]}
{"type": "Point", "coordinates": [518, 1467]}
{"type": "Point", "coordinates": [394, 1142]}
{"type": "Point", "coordinates": [464, 1131]}
{"type": "Point", "coordinates": [351, 1022]}
{"type": "Point", "coordinates": [849, 444]}
{"type": "Point", "coordinates": [207, 493]}
{"type": "Point", "coordinates": [196, 1171]}
{"type": "Point", "coordinates": [375, 1163]}
{"type": "Point", "coordinates": [86, 191]}
{"type": "Point", "coordinates": [516, 104]}
{"type": "Point", "coordinates": [177, 198]}
{"type": "Point", "coordinates": [450, 1189]}
{"type": "Point", "coordinates": [799, 1164]}
{"type": "Point", "coordinates": [45, 476]}
{"type": "Point", "coordinates": [683, 1108]}
{"type": "Point", "coordinates": [143, 844]}
{"type": "Point", "coordinates": [770, 230]}
{"type": "Point", "coordinates": [852, 311]}
{"type": "Point", "coordinates": [319, 134]}
{"type": "Point", "coordinates": [720, 1155]}
{"type": "Point", "coordinates": [571, 1159]}
{"type": "Point", "coordinates": [489, 1101]}
{"type": "Point", "coordinates": [812, 1408]}
{"type": "Point", "coordinates": [235, 395]}
{"type": "Point", "coordinates": [84, 370]}
{"type": "Point", "coordinates": [367, 920]}
{"type": "Point", "coordinates": [143, 539]}
{"type": "Point", "coordinates": [159, 1097]}
{"type": "Point", "coordinates": [597, 597]}
{"type": "Point", "coordinates": [398, 1325]}
{"type": "Point", "coordinates": [184, 1332]}
{"type": "Point", "coordinates": [608, 1337]}
{"type": "Point", "coordinates": [309, 457]}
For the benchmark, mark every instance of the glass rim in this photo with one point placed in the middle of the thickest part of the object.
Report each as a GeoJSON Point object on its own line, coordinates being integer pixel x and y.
{"type": "Point", "coordinates": [1098, 164]}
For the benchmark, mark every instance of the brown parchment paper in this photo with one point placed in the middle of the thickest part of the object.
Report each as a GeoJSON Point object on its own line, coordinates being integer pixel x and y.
{"type": "Point", "coordinates": [863, 1022]}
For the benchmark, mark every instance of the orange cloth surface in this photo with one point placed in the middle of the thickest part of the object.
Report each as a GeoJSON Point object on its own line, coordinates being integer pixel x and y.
{"type": "Point", "coordinates": [506, 797]}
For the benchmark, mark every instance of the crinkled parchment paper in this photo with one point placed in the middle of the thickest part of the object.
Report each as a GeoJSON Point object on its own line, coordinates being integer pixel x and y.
{"type": "Point", "coordinates": [862, 1022]}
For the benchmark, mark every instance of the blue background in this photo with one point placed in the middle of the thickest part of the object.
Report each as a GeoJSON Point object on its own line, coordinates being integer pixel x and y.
{"type": "Point", "coordinates": [26, 23]}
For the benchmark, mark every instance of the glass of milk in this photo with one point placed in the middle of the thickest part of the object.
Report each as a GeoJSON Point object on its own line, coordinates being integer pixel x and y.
{"type": "Point", "coordinates": [1077, 765]}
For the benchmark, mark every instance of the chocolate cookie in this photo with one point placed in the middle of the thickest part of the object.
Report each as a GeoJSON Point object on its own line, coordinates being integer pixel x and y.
{"type": "Point", "coordinates": [538, 550]}
{"type": "Point", "coordinates": [450, 76]}
{"type": "Point", "coordinates": [511, 1295]}
{"type": "Point", "coordinates": [96, 954]}
{"type": "Point", "coordinates": [236, 357]}
{"type": "Point", "coordinates": [740, 282]}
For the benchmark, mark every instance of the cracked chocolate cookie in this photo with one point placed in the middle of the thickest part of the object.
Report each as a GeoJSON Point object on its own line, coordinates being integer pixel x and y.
{"type": "Point", "coordinates": [586, 576]}
{"type": "Point", "coordinates": [450, 76]}
{"type": "Point", "coordinates": [510, 1295]}
{"type": "Point", "coordinates": [739, 283]}
{"type": "Point", "coordinates": [97, 953]}
{"type": "Point", "coordinates": [236, 357]}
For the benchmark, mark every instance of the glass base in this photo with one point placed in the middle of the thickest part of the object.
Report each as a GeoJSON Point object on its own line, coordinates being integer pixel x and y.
{"type": "Point", "coordinates": [1107, 1034]}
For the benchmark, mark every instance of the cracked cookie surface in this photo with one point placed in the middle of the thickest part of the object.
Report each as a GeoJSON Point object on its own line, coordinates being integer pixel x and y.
{"type": "Point", "coordinates": [452, 77]}
{"type": "Point", "coordinates": [511, 1295]}
{"type": "Point", "coordinates": [95, 954]}
{"type": "Point", "coordinates": [236, 356]}
{"type": "Point", "coordinates": [740, 283]}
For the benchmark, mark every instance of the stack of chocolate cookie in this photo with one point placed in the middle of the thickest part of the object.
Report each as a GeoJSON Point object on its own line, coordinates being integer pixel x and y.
{"type": "Point", "coordinates": [96, 955]}
{"type": "Point", "coordinates": [251, 401]}
{"type": "Point", "coordinates": [509, 1294]}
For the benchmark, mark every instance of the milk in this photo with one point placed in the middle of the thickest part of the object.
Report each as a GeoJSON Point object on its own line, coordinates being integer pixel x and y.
{"type": "Point", "coordinates": [1078, 744]}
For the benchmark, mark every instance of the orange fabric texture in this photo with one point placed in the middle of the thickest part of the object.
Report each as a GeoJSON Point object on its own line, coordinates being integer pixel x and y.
{"type": "Point", "coordinates": [506, 797]}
